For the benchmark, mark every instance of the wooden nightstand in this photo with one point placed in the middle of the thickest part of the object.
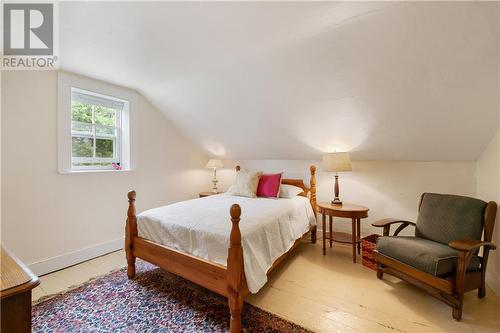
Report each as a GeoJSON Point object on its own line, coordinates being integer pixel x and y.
{"type": "Point", "coordinates": [354, 212]}
{"type": "Point", "coordinates": [207, 194]}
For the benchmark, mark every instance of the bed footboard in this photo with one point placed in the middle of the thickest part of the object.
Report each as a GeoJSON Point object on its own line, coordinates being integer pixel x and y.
{"type": "Point", "coordinates": [228, 281]}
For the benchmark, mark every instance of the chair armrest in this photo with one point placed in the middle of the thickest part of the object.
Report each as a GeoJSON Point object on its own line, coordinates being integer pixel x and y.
{"type": "Point", "coordinates": [389, 221]}
{"type": "Point", "coordinates": [469, 245]}
{"type": "Point", "coordinates": [386, 224]}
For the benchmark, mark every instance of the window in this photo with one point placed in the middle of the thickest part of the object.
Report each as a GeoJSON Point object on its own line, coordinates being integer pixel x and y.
{"type": "Point", "coordinates": [95, 130]}
{"type": "Point", "coordinates": [93, 125]}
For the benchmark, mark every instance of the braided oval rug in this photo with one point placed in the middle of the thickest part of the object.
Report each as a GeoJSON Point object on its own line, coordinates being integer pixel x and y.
{"type": "Point", "coordinates": [154, 301]}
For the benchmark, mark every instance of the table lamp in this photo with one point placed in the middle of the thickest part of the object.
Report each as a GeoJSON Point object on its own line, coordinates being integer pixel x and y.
{"type": "Point", "coordinates": [337, 162]}
{"type": "Point", "coordinates": [214, 164]}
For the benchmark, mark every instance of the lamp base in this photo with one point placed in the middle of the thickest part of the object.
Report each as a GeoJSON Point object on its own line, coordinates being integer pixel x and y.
{"type": "Point", "coordinates": [336, 200]}
{"type": "Point", "coordinates": [214, 180]}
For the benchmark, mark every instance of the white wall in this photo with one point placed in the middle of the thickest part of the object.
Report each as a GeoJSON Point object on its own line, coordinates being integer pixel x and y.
{"type": "Point", "coordinates": [389, 189]}
{"type": "Point", "coordinates": [488, 188]}
{"type": "Point", "coordinates": [46, 215]}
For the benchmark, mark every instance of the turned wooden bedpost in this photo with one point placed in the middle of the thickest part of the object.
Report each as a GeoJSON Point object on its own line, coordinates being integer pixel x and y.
{"type": "Point", "coordinates": [312, 199]}
{"type": "Point", "coordinates": [235, 273]}
{"type": "Point", "coordinates": [130, 233]}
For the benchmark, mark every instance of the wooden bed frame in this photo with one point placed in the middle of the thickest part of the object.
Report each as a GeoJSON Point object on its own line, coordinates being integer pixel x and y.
{"type": "Point", "coordinates": [227, 281]}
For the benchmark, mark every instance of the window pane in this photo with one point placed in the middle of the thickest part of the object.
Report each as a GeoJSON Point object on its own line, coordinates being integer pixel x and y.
{"type": "Point", "coordinates": [105, 116]}
{"type": "Point", "coordinates": [104, 130]}
{"type": "Point", "coordinates": [82, 147]}
{"type": "Point", "coordinates": [104, 148]}
{"type": "Point", "coordinates": [81, 112]}
{"type": "Point", "coordinates": [81, 127]}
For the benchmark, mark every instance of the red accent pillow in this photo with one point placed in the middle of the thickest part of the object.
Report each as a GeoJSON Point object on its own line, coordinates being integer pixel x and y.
{"type": "Point", "coordinates": [269, 185]}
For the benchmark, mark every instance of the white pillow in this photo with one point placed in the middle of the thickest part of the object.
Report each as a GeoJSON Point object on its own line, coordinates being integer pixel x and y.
{"type": "Point", "coordinates": [289, 191]}
{"type": "Point", "coordinates": [246, 184]}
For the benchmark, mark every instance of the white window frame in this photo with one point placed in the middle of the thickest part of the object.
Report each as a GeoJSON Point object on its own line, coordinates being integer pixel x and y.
{"type": "Point", "coordinates": [124, 147]}
{"type": "Point", "coordinates": [117, 142]}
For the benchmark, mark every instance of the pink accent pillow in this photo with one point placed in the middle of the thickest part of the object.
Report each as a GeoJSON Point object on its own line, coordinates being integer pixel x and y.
{"type": "Point", "coordinates": [269, 185]}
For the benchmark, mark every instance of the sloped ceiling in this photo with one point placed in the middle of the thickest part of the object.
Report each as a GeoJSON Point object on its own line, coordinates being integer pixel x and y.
{"type": "Point", "coordinates": [386, 81]}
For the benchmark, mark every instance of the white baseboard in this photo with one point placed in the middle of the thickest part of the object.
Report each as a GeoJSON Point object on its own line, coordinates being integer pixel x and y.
{"type": "Point", "coordinates": [493, 282]}
{"type": "Point", "coordinates": [76, 257]}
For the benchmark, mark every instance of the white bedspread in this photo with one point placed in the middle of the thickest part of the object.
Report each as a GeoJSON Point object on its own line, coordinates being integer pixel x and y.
{"type": "Point", "coordinates": [201, 227]}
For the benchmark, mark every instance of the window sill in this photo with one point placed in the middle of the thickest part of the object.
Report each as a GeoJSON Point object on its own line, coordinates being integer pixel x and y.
{"type": "Point", "coordinates": [93, 171]}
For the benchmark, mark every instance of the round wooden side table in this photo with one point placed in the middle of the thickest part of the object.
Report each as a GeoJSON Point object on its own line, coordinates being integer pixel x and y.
{"type": "Point", "coordinates": [347, 210]}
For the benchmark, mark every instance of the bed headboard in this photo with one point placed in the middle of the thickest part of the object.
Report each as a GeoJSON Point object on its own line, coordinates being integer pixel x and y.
{"type": "Point", "coordinates": [307, 192]}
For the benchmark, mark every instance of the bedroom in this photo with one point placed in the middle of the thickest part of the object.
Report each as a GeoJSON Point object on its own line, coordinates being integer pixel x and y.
{"type": "Point", "coordinates": [400, 100]}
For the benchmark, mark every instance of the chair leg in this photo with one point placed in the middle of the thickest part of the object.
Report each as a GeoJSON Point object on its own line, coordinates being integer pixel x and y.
{"type": "Point", "coordinates": [457, 313]}
{"type": "Point", "coordinates": [482, 290]}
{"type": "Point", "coordinates": [380, 274]}
{"type": "Point", "coordinates": [463, 261]}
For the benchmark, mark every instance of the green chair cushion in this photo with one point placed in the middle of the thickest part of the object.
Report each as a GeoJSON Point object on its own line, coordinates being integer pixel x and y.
{"type": "Point", "coordinates": [423, 254]}
{"type": "Point", "coordinates": [444, 218]}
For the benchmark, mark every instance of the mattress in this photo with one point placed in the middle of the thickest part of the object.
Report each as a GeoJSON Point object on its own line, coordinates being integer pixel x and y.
{"type": "Point", "coordinates": [201, 227]}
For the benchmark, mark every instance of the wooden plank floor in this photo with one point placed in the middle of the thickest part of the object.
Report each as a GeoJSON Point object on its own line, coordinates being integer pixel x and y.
{"type": "Point", "coordinates": [330, 294]}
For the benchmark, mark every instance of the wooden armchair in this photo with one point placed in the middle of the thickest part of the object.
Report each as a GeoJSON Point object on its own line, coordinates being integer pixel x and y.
{"type": "Point", "coordinates": [442, 258]}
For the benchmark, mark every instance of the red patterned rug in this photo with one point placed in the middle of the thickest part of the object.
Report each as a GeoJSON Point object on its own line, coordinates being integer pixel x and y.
{"type": "Point", "coordinates": [155, 301]}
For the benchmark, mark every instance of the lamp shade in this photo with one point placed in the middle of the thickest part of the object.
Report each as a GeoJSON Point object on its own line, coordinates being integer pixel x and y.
{"type": "Point", "coordinates": [214, 164]}
{"type": "Point", "coordinates": [337, 162]}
